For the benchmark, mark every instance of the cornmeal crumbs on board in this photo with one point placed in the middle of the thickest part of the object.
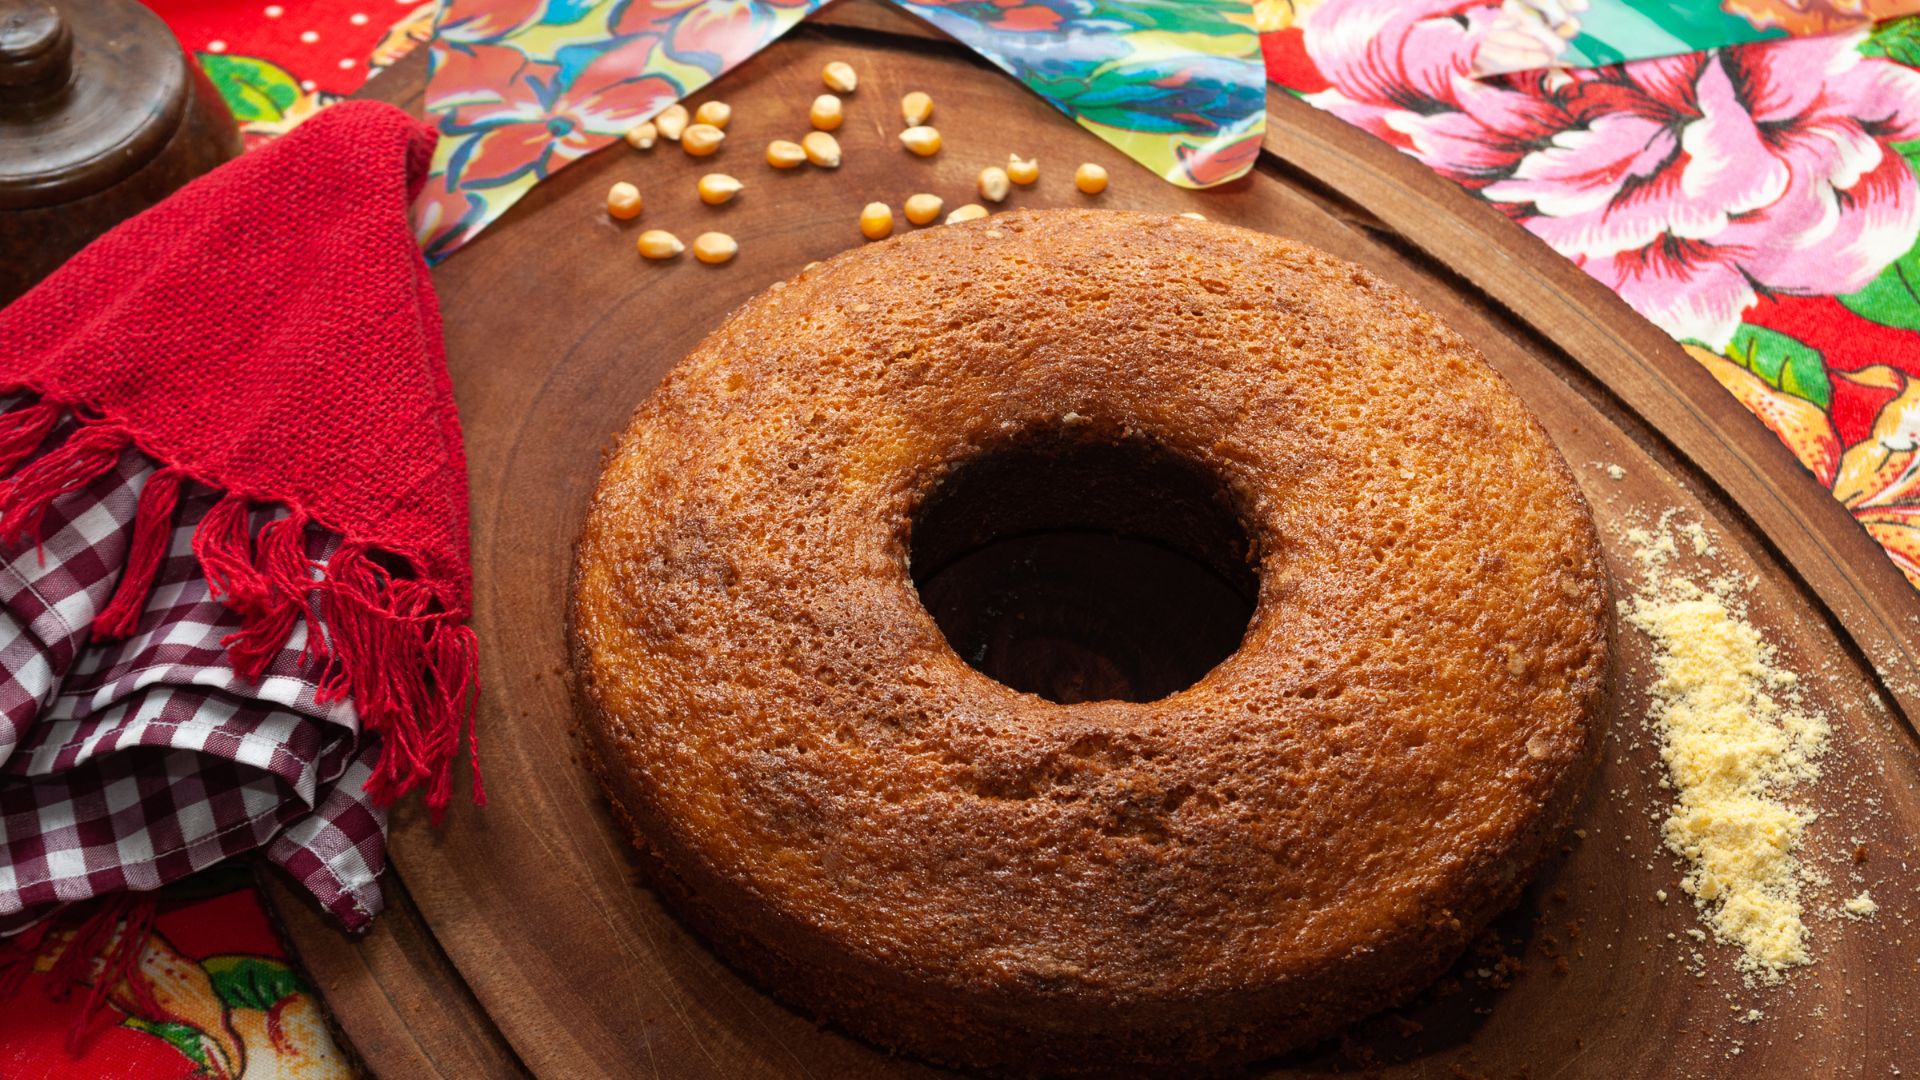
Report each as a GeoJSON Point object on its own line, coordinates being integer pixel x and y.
{"type": "Point", "coordinates": [1735, 738]}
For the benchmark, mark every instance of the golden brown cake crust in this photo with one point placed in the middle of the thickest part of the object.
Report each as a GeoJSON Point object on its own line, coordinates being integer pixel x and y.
{"type": "Point", "coordinates": [892, 841]}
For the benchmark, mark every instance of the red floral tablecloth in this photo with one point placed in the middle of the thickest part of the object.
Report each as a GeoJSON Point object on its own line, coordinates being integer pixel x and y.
{"type": "Point", "coordinates": [1757, 202]}
{"type": "Point", "coordinates": [215, 995]}
{"type": "Point", "coordinates": [276, 64]}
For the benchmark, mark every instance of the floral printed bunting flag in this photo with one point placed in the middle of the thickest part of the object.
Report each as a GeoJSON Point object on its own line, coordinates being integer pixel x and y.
{"type": "Point", "coordinates": [1176, 85]}
{"type": "Point", "coordinates": [523, 87]}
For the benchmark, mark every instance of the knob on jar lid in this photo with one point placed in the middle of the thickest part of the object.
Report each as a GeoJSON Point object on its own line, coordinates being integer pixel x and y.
{"type": "Point", "coordinates": [36, 51]}
{"type": "Point", "coordinates": [90, 91]}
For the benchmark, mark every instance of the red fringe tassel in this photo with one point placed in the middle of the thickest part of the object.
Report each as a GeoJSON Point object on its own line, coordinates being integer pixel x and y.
{"type": "Point", "coordinates": [102, 954]}
{"type": "Point", "coordinates": [72, 465]}
{"type": "Point", "coordinates": [23, 430]}
{"type": "Point", "coordinates": [391, 643]}
{"type": "Point", "coordinates": [288, 574]}
{"type": "Point", "coordinates": [105, 954]}
{"type": "Point", "coordinates": [225, 550]}
{"type": "Point", "coordinates": [411, 671]}
{"type": "Point", "coordinates": [17, 954]}
{"type": "Point", "coordinates": [152, 526]}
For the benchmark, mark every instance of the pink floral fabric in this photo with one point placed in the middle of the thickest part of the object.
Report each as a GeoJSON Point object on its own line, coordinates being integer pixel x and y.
{"type": "Point", "coordinates": [1758, 202]}
{"type": "Point", "coordinates": [1690, 185]}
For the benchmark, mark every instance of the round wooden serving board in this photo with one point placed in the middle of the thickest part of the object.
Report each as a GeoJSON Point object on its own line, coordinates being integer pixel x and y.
{"type": "Point", "coordinates": [518, 940]}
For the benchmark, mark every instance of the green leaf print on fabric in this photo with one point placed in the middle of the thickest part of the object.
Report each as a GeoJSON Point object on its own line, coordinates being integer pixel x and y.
{"type": "Point", "coordinates": [1785, 364]}
{"type": "Point", "coordinates": [251, 982]}
{"type": "Point", "coordinates": [254, 89]}
{"type": "Point", "coordinates": [1897, 40]}
{"type": "Point", "coordinates": [1893, 298]}
{"type": "Point", "coordinates": [182, 1037]}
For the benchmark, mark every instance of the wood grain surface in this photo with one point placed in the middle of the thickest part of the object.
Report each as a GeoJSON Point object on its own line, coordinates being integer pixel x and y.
{"type": "Point", "coordinates": [556, 330]}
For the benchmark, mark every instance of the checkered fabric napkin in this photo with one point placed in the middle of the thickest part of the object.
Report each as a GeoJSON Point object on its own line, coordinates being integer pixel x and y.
{"type": "Point", "coordinates": [129, 764]}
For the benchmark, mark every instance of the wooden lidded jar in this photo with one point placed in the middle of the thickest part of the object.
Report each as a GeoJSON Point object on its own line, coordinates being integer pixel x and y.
{"type": "Point", "coordinates": [101, 116]}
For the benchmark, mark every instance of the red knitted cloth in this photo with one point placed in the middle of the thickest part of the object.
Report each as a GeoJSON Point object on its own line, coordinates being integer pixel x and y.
{"type": "Point", "coordinates": [270, 331]}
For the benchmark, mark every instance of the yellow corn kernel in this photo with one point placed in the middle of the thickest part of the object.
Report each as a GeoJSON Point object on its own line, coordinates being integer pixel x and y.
{"type": "Point", "coordinates": [714, 248]}
{"type": "Point", "coordinates": [922, 140]}
{"type": "Point", "coordinates": [1090, 178]}
{"type": "Point", "coordinates": [993, 184]}
{"type": "Point", "coordinates": [1022, 171]}
{"type": "Point", "coordinates": [660, 244]}
{"type": "Point", "coordinates": [642, 137]}
{"type": "Point", "coordinates": [716, 188]}
{"type": "Point", "coordinates": [671, 121]}
{"type": "Point", "coordinates": [826, 113]}
{"type": "Point", "coordinates": [822, 149]}
{"type": "Point", "coordinates": [922, 209]}
{"type": "Point", "coordinates": [916, 108]}
{"type": "Point", "coordinates": [782, 154]}
{"type": "Point", "coordinates": [714, 114]}
{"type": "Point", "coordinates": [969, 212]}
{"type": "Point", "coordinates": [839, 77]}
{"type": "Point", "coordinates": [876, 221]}
{"type": "Point", "coordinates": [623, 201]}
{"type": "Point", "coordinates": [701, 140]}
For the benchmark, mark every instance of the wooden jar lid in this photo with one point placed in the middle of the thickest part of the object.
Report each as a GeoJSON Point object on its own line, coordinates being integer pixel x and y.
{"type": "Point", "coordinates": [90, 92]}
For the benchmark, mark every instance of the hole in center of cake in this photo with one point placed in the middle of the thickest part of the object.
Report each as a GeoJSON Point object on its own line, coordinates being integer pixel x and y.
{"type": "Point", "coordinates": [1085, 571]}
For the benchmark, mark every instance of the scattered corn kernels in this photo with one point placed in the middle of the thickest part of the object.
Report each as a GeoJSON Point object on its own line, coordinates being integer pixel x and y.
{"type": "Point", "coordinates": [822, 149]}
{"type": "Point", "coordinates": [1090, 178]}
{"type": "Point", "coordinates": [643, 136]}
{"type": "Point", "coordinates": [839, 77]}
{"type": "Point", "coordinates": [716, 188]}
{"type": "Point", "coordinates": [660, 244]}
{"type": "Point", "coordinates": [715, 113]}
{"type": "Point", "coordinates": [876, 221]}
{"type": "Point", "coordinates": [1022, 171]}
{"type": "Point", "coordinates": [714, 248]}
{"type": "Point", "coordinates": [922, 140]}
{"type": "Point", "coordinates": [623, 201]}
{"type": "Point", "coordinates": [701, 140]}
{"type": "Point", "coordinates": [782, 154]}
{"type": "Point", "coordinates": [671, 121]}
{"type": "Point", "coordinates": [922, 209]}
{"type": "Point", "coordinates": [993, 184]}
{"type": "Point", "coordinates": [826, 113]}
{"type": "Point", "coordinates": [916, 108]}
{"type": "Point", "coordinates": [969, 212]}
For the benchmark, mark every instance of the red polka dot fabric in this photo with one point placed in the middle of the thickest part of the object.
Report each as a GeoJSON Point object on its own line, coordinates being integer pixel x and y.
{"type": "Point", "coordinates": [275, 64]}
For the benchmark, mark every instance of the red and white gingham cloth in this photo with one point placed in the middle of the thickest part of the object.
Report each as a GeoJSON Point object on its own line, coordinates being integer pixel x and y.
{"type": "Point", "coordinates": [129, 764]}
